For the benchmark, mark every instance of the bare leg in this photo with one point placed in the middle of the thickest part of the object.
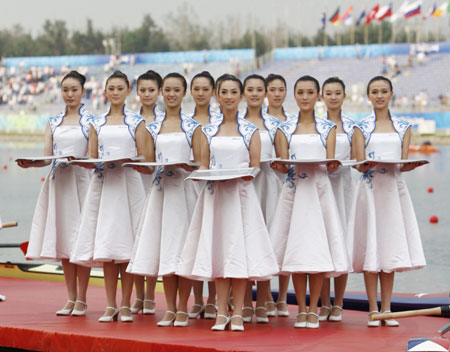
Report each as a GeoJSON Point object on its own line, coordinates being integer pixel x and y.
{"type": "Point", "coordinates": [261, 292]}
{"type": "Point", "coordinates": [70, 277]}
{"type": "Point", "coordinates": [239, 289]}
{"type": "Point", "coordinates": [139, 284]}
{"type": "Point", "coordinates": [299, 281]}
{"type": "Point", "coordinates": [127, 280]}
{"type": "Point", "coordinates": [83, 275]}
{"type": "Point", "coordinates": [170, 283]}
{"type": "Point", "coordinates": [149, 297]}
{"type": "Point", "coordinates": [325, 299]}
{"type": "Point", "coordinates": [283, 282]}
{"type": "Point", "coordinates": [371, 282]}
{"type": "Point", "coordinates": [315, 286]}
{"type": "Point", "coordinates": [387, 285]}
{"type": "Point", "coordinates": [111, 273]}
{"type": "Point", "coordinates": [198, 297]}
{"type": "Point", "coordinates": [211, 303]}
{"type": "Point", "coordinates": [223, 292]}
{"type": "Point", "coordinates": [248, 302]}
{"type": "Point", "coordinates": [184, 290]}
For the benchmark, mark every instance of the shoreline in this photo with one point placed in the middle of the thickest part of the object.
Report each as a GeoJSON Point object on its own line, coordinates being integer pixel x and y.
{"type": "Point", "coordinates": [437, 139]}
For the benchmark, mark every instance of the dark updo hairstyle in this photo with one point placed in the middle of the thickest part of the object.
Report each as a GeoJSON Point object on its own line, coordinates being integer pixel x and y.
{"type": "Point", "coordinates": [118, 74]}
{"type": "Point", "coordinates": [379, 78]}
{"type": "Point", "coordinates": [272, 77]}
{"type": "Point", "coordinates": [204, 74]}
{"type": "Point", "coordinates": [255, 76]}
{"type": "Point", "coordinates": [229, 77]}
{"type": "Point", "coordinates": [151, 75]}
{"type": "Point", "coordinates": [334, 80]}
{"type": "Point", "coordinates": [308, 78]}
{"type": "Point", "coordinates": [176, 75]}
{"type": "Point", "coordinates": [75, 75]}
{"type": "Point", "coordinates": [220, 79]}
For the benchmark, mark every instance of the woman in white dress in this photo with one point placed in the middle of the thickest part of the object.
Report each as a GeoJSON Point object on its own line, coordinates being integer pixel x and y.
{"type": "Point", "coordinates": [276, 95]}
{"type": "Point", "coordinates": [58, 210]}
{"type": "Point", "coordinates": [115, 198]}
{"type": "Point", "coordinates": [148, 90]}
{"type": "Point", "coordinates": [267, 183]}
{"type": "Point", "coordinates": [306, 232]}
{"type": "Point", "coordinates": [170, 202]}
{"type": "Point", "coordinates": [333, 94]}
{"type": "Point", "coordinates": [228, 240]}
{"type": "Point", "coordinates": [382, 231]}
{"type": "Point", "coordinates": [202, 90]}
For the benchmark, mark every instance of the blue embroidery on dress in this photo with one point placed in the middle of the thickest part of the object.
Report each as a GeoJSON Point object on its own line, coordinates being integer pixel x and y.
{"type": "Point", "coordinates": [323, 127]}
{"type": "Point", "coordinates": [367, 177]}
{"type": "Point", "coordinates": [383, 171]}
{"type": "Point", "coordinates": [303, 175]}
{"type": "Point", "coordinates": [188, 125]}
{"type": "Point", "coordinates": [400, 126]}
{"type": "Point", "coordinates": [132, 120]}
{"type": "Point", "coordinates": [158, 177]}
{"type": "Point", "coordinates": [367, 126]}
{"type": "Point", "coordinates": [348, 125]}
{"type": "Point", "coordinates": [290, 178]}
{"type": "Point", "coordinates": [271, 124]}
{"type": "Point", "coordinates": [371, 155]}
{"type": "Point", "coordinates": [212, 161]}
{"type": "Point", "coordinates": [210, 187]}
{"type": "Point", "coordinates": [101, 151]}
{"type": "Point", "coordinates": [99, 170]}
{"type": "Point", "coordinates": [246, 129]}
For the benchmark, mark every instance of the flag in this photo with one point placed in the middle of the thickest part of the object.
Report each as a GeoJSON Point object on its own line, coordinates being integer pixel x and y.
{"type": "Point", "coordinates": [372, 14]}
{"type": "Point", "coordinates": [413, 9]}
{"type": "Point", "coordinates": [361, 17]}
{"type": "Point", "coordinates": [346, 18]}
{"type": "Point", "coordinates": [427, 344]}
{"type": "Point", "coordinates": [335, 17]}
{"type": "Point", "coordinates": [400, 12]}
{"type": "Point", "coordinates": [430, 11]}
{"type": "Point", "coordinates": [384, 12]}
{"type": "Point", "coordinates": [441, 9]}
{"type": "Point", "coordinates": [323, 19]}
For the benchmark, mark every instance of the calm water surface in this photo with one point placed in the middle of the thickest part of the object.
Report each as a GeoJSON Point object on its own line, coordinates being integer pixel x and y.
{"type": "Point", "coordinates": [19, 189]}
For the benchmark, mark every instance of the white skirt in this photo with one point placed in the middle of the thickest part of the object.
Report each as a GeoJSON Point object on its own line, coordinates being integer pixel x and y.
{"type": "Point", "coordinates": [267, 187]}
{"type": "Point", "coordinates": [58, 211]}
{"type": "Point", "coordinates": [306, 232]}
{"type": "Point", "coordinates": [110, 218]}
{"type": "Point", "coordinates": [165, 222]}
{"type": "Point", "coordinates": [227, 237]}
{"type": "Point", "coordinates": [383, 231]}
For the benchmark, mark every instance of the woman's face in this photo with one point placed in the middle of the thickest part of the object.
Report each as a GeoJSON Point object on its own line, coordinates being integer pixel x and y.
{"type": "Point", "coordinates": [72, 92]}
{"type": "Point", "coordinates": [229, 95]}
{"type": "Point", "coordinates": [276, 93]}
{"type": "Point", "coordinates": [380, 94]}
{"type": "Point", "coordinates": [173, 92]}
{"type": "Point", "coordinates": [254, 92]}
{"type": "Point", "coordinates": [148, 92]}
{"type": "Point", "coordinates": [333, 95]}
{"type": "Point", "coordinates": [201, 91]}
{"type": "Point", "coordinates": [306, 95]}
{"type": "Point", "coordinates": [117, 91]}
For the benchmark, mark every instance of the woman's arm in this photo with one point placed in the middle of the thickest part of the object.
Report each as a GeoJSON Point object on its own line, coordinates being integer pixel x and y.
{"type": "Point", "coordinates": [405, 150]}
{"type": "Point", "coordinates": [204, 152]}
{"type": "Point", "coordinates": [331, 149]}
{"type": "Point", "coordinates": [145, 148]}
{"type": "Point", "coordinates": [255, 150]}
{"type": "Point", "coordinates": [281, 151]}
{"type": "Point", "coordinates": [359, 151]}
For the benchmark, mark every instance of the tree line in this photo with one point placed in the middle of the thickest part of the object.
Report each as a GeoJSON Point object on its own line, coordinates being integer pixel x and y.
{"type": "Point", "coordinates": [182, 32]}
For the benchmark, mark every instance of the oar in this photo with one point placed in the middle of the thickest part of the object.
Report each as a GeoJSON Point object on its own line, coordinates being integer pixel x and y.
{"type": "Point", "coordinates": [9, 224]}
{"type": "Point", "coordinates": [23, 246]}
{"type": "Point", "coordinates": [443, 311]}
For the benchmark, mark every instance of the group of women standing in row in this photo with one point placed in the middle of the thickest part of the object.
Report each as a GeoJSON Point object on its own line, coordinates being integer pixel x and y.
{"type": "Point", "coordinates": [307, 220]}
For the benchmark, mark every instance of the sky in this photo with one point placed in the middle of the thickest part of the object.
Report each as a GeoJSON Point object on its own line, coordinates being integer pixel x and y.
{"type": "Point", "coordinates": [299, 15]}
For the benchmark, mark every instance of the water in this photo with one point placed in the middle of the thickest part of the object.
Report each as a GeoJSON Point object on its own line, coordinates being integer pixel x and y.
{"type": "Point", "coordinates": [19, 189]}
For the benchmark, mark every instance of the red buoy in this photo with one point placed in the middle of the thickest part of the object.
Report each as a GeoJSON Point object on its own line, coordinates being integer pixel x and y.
{"type": "Point", "coordinates": [42, 179]}
{"type": "Point", "coordinates": [430, 190]}
{"type": "Point", "coordinates": [5, 167]}
{"type": "Point", "coordinates": [10, 158]}
{"type": "Point", "coordinates": [434, 219]}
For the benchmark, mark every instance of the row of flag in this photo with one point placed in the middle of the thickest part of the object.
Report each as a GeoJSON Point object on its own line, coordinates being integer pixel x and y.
{"type": "Point", "coordinates": [386, 12]}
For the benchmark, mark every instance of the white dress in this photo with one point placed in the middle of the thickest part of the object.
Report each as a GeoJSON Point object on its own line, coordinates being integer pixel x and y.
{"type": "Point", "coordinates": [169, 205]}
{"type": "Point", "coordinates": [58, 209]}
{"type": "Point", "coordinates": [383, 231]}
{"type": "Point", "coordinates": [115, 198]}
{"type": "Point", "coordinates": [306, 232]}
{"type": "Point", "coordinates": [227, 237]}
{"type": "Point", "coordinates": [267, 183]}
{"type": "Point", "coordinates": [341, 180]}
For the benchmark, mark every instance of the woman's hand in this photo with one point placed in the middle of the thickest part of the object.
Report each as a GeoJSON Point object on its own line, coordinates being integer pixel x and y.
{"type": "Point", "coordinates": [29, 163]}
{"type": "Point", "coordinates": [366, 166]}
{"type": "Point", "coordinates": [279, 166]}
{"type": "Point", "coordinates": [410, 166]}
{"type": "Point", "coordinates": [146, 170]}
{"type": "Point", "coordinates": [333, 165]}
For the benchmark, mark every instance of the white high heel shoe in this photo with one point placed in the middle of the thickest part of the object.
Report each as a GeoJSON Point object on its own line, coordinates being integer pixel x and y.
{"type": "Point", "coordinates": [109, 318]}
{"type": "Point", "coordinates": [135, 310]}
{"type": "Point", "coordinates": [125, 318]}
{"type": "Point", "coordinates": [149, 311]}
{"type": "Point", "coordinates": [221, 327]}
{"type": "Point", "coordinates": [335, 317]}
{"type": "Point", "coordinates": [198, 314]}
{"type": "Point", "coordinates": [263, 320]}
{"type": "Point", "coordinates": [249, 318]}
{"type": "Point", "coordinates": [373, 323]}
{"type": "Point", "coordinates": [300, 324]}
{"type": "Point", "coordinates": [235, 327]}
{"type": "Point", "coordinates": [389, 322]}
{"type": "Point", "coordinates": [66, 311]}
{"type": "Point", "coordinates": [165, 323]}
{"type": "Point", "coordinates": [207, 315]}
{"type": "Point", "coordinates": [181, 323]}
{"type": "Point", "coordinates": [310, 325]}
{"type": "Point", "coordinates": [323, 310]}
{"type": "Point", "coordinates": [79, 313]}
{"type": "Point", "coordinates": [282, 313]}
{"type": "Point", "coordinates": [273, 312]}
